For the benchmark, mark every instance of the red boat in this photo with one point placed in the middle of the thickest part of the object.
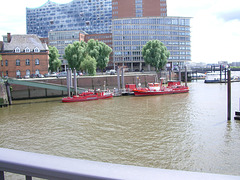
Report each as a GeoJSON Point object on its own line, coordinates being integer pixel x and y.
{"type": "Point", "coordinates": [174, 87]}
{"type": "Point", "coordinates": [88, 96]}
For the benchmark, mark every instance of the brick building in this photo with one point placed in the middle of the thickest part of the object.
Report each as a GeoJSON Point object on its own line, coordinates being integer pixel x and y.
{"type": "Point", "coordinates": [138, 8]}
{"type": "Point", "coordinates": [23, 55]}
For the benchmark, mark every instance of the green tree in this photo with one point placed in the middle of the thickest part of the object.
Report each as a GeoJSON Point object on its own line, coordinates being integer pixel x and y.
{"type": "Point", "coordinates": [54, 62]}
{"type": "Point", "coordinates": [103, 58]}
{"type": "Point", "coordinates": [93, 48]}
{"type": "Point", "coordinates": [89, 65]}
{"type": "Point", "coordinates": [100, 52]}
{"type": "Point", "coordinates": [155, 54]}
{"type": "Point", "coordinates": [75, 54]}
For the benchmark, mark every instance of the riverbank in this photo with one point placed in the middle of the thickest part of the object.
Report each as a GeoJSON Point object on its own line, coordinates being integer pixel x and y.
{"type": "Point", "coordinates": [87, 82]}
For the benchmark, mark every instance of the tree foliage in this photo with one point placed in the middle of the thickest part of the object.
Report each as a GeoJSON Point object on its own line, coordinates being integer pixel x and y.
{"type": "Point", "coordinates": [100, 51]}
{"type": "Point", "coordinates": [54, 62]}
{"type": "Point", "coordinates": [75, 54]}
{"type": "Point", "coordinates": [80, 54]}
{"type": "Point", "coordinates": [89, 65]}
{"type": "Point", "coordinates": [103, 58]}
{"type": "Point", "coordinates": [155, 54]}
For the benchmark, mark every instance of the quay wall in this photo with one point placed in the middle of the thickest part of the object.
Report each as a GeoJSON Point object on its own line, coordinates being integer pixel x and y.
{"type": "Point", "coordinates": [3, 94]}
{"type": "Point", "coordinates": [88, 82]}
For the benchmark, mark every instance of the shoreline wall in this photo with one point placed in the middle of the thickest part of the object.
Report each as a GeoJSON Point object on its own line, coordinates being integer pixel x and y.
{"type": "Point", "coordinates": [88, 82]}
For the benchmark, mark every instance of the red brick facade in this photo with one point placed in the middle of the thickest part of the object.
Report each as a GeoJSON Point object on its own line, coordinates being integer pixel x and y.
{"type": "Point", "coordinates": [23, 55]}
{"type": "Point", "coordinates": [127, 8]}
{"type": "Point", "coordinates": [9, 66]}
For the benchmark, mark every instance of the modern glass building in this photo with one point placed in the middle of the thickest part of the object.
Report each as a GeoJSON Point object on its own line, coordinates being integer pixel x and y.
{"type": "Point", "coordinates": [91, 16]}
{"type": "Point", "coordinates": [61, 39]}
{"type": "Point", "coordinates": [131, 34]}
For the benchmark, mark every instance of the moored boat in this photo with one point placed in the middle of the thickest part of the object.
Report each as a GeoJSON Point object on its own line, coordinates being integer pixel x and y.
{"type": "Point", "coordinates": [214, 78]}
{"type": "Point", "coordinates": [174, 87]}
{"type": "Point", "coordinates": [88, 96]}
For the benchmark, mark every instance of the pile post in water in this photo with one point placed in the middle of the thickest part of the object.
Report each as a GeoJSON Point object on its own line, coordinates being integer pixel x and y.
{"type": "Point", "coordinates": [75, 81]}
{"type": "Point", "coordinates": [229, 95]}
{"type": "Point", "coordinates": [68, 82]}
{"type": "Point", "coordinates": [237, 113]}
{"type": "Point", "coordinates": [123, 83]}
{"type": "Point", "coordinates": [186, 76]}
{"type": "Point", "coordinates": [179, 74]}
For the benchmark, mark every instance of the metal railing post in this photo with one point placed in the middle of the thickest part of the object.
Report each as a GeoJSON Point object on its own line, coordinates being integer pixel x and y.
{"type": "Point", "coordinates": [2, 175]}
{"type": "Point", "coordinates": [28, 177]}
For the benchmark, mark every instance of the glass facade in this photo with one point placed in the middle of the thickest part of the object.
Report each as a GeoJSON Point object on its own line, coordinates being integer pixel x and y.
{"type": "Point", "coordinates": [91, 16]}
{"type": "Point", "coordinates": [139, 8]}
{"type": "Point", "coordinates": [131, 34]}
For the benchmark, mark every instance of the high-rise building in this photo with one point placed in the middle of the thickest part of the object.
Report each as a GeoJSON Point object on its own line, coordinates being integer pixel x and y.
{"type": "Point", "coordinates": [138, 8]}
{"type": "Point", "coordinates": [131, 34]}
{"type": "Point", "coordinates": [130, 24]}
{"type": "Point", "coordinates": [61, 39]}
{"type": "Point", "coordinates": [91, 16]}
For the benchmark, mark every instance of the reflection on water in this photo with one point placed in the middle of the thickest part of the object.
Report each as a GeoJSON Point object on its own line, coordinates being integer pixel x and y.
{"type": "Point", "coordinates": [180, 131]}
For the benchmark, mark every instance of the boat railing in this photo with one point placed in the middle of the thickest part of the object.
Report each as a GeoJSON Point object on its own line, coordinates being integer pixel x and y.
{"type": "Point", "coordinates": [55, 167]}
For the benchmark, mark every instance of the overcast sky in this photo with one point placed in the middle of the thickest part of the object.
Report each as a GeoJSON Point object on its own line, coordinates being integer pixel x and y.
{"type": "Point", "coordinates": [215, 25]}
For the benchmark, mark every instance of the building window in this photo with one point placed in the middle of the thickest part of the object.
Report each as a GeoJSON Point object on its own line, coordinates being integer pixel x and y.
{"type": "Point", "coordinates": [17, 50]}
{"type": "Point", "coordinates": [1, 62]}
{"type": "Point", "coordinates": [28, 72]}
{"type": "Point", "coordinates": [18, 73]}
{"type": "Point", "coordinates": [37, 71]}
{"type": "Point", "coordinates": [17, 62]}
{"type": "Point", "coordinates": [36, 49]}
{"type": "Point", "coordinates": [27, 62]}
{"type": "Point", "coordinates": [27, 50]}
{"type": "Point", "coordinates": [6, 73]}
{"type": "Point", "coordinates": [6, 63]}
{"type": "Point", "coordinates": [36, 61]}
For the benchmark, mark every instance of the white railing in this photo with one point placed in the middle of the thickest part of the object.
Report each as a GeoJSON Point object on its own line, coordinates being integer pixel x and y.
{"type": "Point", "coordinates": [54, 167]}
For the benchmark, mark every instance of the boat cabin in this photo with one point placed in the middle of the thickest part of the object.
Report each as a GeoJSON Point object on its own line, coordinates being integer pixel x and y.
{"type": "Point", "coordinates": [174, 83]}
{"type": "Point", "coordinates": [154, 86]}
{"type": "Point", "coordinates": [130, 87]}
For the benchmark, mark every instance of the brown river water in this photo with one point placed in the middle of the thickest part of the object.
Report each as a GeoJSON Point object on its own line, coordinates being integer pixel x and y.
{"type": "Point", "coordinates": [180, 131]}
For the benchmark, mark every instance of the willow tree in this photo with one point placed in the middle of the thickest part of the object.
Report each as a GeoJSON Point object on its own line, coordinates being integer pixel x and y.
{"type": "Point", "coordinates": [75, 54]}
{"type": "Point", "coordinates": [155, 54]}
{"type": "Point", "coordinates": [100, 52]}
{"type": "Point", "coordinates": [103, 58]}
{"type": "Point", "coordinates": [54, 62]}
{"type": "Point", "coordinates": [89, 65]}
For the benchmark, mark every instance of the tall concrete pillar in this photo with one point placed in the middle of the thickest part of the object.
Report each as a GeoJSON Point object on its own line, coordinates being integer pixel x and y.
{"type": "Point", "coordinates": [75, 81]}
{"type": "Point", "coordinates": [123, 83]}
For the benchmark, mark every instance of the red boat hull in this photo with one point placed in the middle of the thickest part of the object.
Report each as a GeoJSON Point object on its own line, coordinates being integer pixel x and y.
{"type": "Point", "coordinates": [145, 92]}
{"type": "Point", "coordinates": [89, 97]}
